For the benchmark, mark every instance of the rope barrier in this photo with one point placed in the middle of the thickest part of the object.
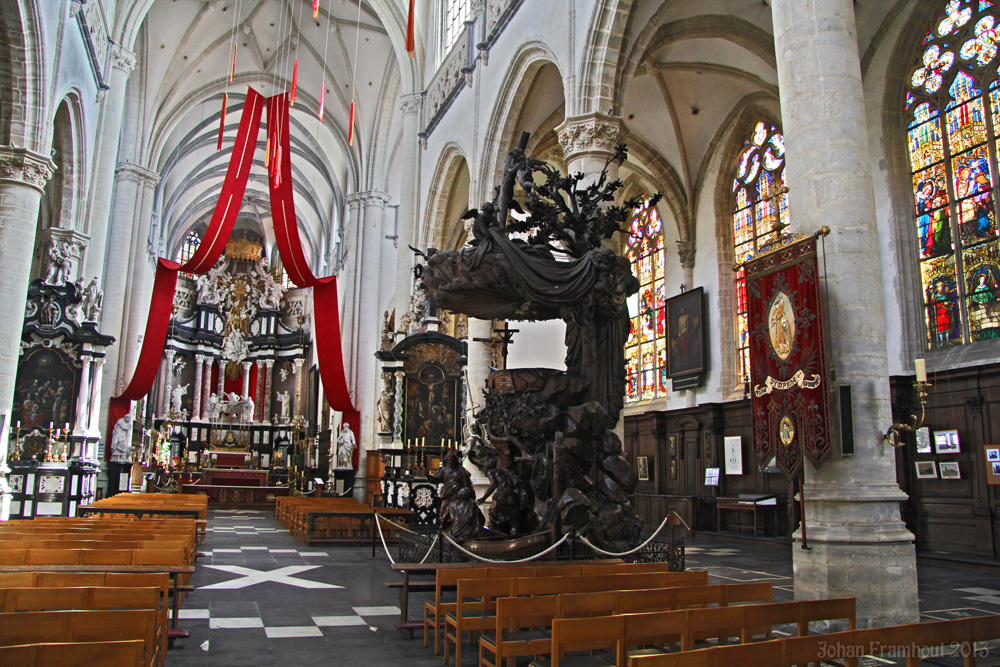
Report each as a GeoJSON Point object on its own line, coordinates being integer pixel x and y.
{"type": "Point", "coordinates": [520, 560]}
{"type": "Point", "coordinates": [386, 547]}
{"type": "Point", "coordinates": [396, 525]}
{"type": "Point", "coordinates": [631, 551]}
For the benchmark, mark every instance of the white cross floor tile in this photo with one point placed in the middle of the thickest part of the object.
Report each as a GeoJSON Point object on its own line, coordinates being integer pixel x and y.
{"type": "Point", "coordinates": [338, 621]}
{"type": "Point", "coordinates": [292, 631]}
{"type": "Point", "coordinates": [979, 591]}
{"type": "Point", "coordinates": [376, 611]}
{"type": "Point", "coordinates": [235, 623]}
{"type": "Point", "coordinates": [193, 614]}
{"type": "Point", "coordinates": [992, 599]}
{"type": "Point", "coordinates": [250, 577]}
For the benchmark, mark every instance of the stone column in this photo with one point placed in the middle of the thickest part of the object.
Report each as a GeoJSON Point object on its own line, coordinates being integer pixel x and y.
{"type": "Point", "coordinates": [686, 253]}
{"type": "Point", "coordinates": [859, 547]}
{"type": "Point", "coordinates": [246, 378]}
{"type": "Point", "coordinates": [199, 361]}
{"type": "Point", "coordinates": [480, 348]}
{"type": "Point", "coordinates": [268, 381]}
{"type": "Point", "coordinates": [109, 123]}
{"type": "Point", "coordinates": [588, 141]}
{"type": "Point", "coordinates": [93, 428]}
{"type": "Point", "coordinates": [129, 227]}
{"type": "Point", "coordinates": [206, 388]}
{"type": "Point", "coordinates": [23, 175]}
{"type": "Point", "coordinates": [297, 383]}
{"type": "Point", "coordinates": [81, 422]}
{"type": "Point", "coordinates": [411, 106]}
{"type": "Point", "coordinates": [259, 391]}
{"type": "Point", "coordinates": [221, 380]}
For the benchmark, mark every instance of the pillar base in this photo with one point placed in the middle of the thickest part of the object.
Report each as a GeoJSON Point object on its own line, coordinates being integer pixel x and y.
{"type": "Point", "coordinates": [858, 547]}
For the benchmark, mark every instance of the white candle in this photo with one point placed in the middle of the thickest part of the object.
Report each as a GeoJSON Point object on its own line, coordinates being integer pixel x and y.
{"type": "Point", "coordinates": [920, 365]}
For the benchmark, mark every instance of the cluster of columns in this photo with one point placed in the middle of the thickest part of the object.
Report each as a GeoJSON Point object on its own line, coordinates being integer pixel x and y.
{"type": "Point", "coordinates": [203, 390]}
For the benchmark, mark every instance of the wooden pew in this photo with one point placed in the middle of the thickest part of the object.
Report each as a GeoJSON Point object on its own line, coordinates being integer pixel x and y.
{"type": "Point", "coordinates": [88, 654]}
{"type": "Point", "coordinates": [964, 636]}
{"type": "Point", "coordinates": [658, 628]}
{"type": "Point", "coordinates": [42, 627]}
{"type": "Point", "coordinates": [15, 600]}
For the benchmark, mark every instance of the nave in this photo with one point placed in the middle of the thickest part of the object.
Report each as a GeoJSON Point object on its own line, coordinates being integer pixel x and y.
{"type": "Point", "coordinates": [263, 598]}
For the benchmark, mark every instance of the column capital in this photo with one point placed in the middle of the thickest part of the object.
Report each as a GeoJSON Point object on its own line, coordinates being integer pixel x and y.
{"type": "Point", "coordinates": [127, 171]}
{"type": "Point", "coordinates": [122, 59]}
{"type": "Point", "coordinates": [411, 103]}
{"type": "Point", "coordinates": [269, 363]}
{"type": "Point", "coordinates": [686, 251]}
{"type": "Point", "coordinates": [592, 133]}
{"type": "Point", "coordinates": [368, 198]}
{"type": "Point", "coordinates": [200, 358]}
{"type": "Point", "coordinates": [24, 166]}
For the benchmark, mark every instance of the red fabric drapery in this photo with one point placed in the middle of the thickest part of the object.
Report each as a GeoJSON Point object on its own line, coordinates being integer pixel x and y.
{"type": "Point", "coordinates": [327, 320]}
{"type": "Point", "coordinates": [326, 334]}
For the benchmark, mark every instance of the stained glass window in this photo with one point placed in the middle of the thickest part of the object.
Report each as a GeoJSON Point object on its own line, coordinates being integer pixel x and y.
{"type": "Point", "coordinates": [760, 199]}
{"type": "Point", "coordinates": [645, 351]}
{"type": "Point", "coordinates": [454, 21]}
{"type": "Point", "coordinates": [951, 139]}
{"type": "Point", "coordinates": [188, 247]}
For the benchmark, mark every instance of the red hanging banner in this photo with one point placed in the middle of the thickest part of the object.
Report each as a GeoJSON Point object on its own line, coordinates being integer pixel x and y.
{"type": "Point", "coordinates": [789, 380]}
{"type": "Point", "coordinates": [207, 254]}
{"type": "Point", "coordinates": [326, 309]}
{"type": "Point", "coordinates": [411, 46]}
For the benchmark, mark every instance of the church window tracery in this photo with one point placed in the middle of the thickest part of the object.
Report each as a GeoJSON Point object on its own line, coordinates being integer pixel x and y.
{"type": "Point", "coordinates": [454, 21]}
{"type": "Point", "coordinates": [188, 247]}
{"type": "Point", "coordinates": [759, 200]}
{"type": "Point", "coordinates": [645, 350]}
{"type": "Point", "coordinates": [952, 146]}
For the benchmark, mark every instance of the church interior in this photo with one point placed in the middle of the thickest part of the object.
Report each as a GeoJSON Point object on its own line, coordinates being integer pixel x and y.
{"type": "Point", "coordinates": [351, 299]}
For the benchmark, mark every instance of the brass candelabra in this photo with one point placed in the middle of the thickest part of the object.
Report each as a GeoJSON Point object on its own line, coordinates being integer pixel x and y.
{"type": "Point", "coordinates": [894, 434]}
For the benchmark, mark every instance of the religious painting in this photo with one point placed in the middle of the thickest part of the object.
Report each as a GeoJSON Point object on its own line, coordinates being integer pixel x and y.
{"type": "Point", "coordinates": [946, 442]}
{"type": "Point", "coordinates": [686, 333]}
{"type": "Point", "coordinates": [430, 409]}
{"type": "Point", "coordinates": [983, 300]}
{"type": "Point", "coordinates": [45, 390]}
{"type": "Point", "coordinates": [926, 469]}
{"type": "Point", "coordinates": [642, 468]}
{"type": "Point", "coordinates": [788, 358]}
{"type": "Point", "coordinates": [993, 455]}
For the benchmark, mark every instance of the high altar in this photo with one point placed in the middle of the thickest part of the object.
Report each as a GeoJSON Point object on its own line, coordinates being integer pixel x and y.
{"type": "Point", "coordinates": [233, 391]}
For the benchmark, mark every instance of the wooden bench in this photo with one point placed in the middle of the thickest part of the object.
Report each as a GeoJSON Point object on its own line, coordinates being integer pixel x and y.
{"type": "Point", "coordinates": [15, 600]}
{"type": "Point", "coordinates": [476, 598]}
{"type": "Point", "coordinates": [87, 654]}
{"type": "Point", "coordinates": [623, 631]}
{"type": "Point", "coordinates": [961, 638]}
{"type": "Point", "coordinates": [42, 627]}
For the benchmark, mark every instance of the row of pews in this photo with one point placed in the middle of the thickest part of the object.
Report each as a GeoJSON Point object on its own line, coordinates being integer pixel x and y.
{"type": "Point", "coordinates": [105, 589]}
{"type": "Point", "coordinates": [643, 615]}
{"type": "Point", "coordinates": [324, 520]}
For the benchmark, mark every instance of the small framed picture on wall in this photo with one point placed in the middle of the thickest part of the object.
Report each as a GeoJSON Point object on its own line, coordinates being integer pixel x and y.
{"type": "Point", "coordinates": [642, 468]}
{"type": "Point", "coordinates": [946, 442]}
{"type": "Point", "coordinates": [949, 470]}
{"type": "Point", "coordinates": [926, 469]}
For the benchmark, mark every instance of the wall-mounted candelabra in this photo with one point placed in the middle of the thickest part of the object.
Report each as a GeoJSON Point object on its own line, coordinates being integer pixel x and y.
{"type": "Point", "coordinates": [894, 435]}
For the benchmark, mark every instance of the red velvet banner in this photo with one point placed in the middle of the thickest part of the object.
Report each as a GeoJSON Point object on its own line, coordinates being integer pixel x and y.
{"type": "Point", "coordinates": [326, 334]}
{"type": "Point", "coordinates": [207, 254]}
{"type": "Point", "coordinates": [789, 380]}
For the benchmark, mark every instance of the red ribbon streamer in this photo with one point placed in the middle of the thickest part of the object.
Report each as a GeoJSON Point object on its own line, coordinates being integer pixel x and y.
{"type": "Point", "coordinates": [411, 47]}
{"type": "Point", "coordinates": [325, 305]}
{"type": "Point", "coordinates": [350, 128]}
{"type": "Point", "coordinates": [315, 8]}
{"type": "Point", "coordinates": [222, 118]}
{"type": "Point", "coordinates": [232, 65]}
{"type": "Point", "coordinates": [207, 254]}
{"type": "Point", "coordinates": [322, 89]}
{"type": "Point", "coordinates": [295, 82]}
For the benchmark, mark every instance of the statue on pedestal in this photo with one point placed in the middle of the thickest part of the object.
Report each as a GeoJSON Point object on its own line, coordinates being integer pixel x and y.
{"type": "Point", "coordinates": [61, 255]}
{"type": "Point", "coordinates": [346, 444]}
{"type": "Point", "coordinates": [285, 399]}
{"type": "Point", "coordinates": [93, 299]}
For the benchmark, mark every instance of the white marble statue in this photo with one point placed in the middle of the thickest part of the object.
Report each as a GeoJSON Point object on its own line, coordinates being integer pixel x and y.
{"type": "Point", "coordinates": [93, 299]}
{"type": "Point", "coordinates": [234, 347]}
{"type": "Point", "coordinates": [346, 444]}
{"type": "Point", "coordinates": [177, 396]}
{"type": "Point", "coordinates": [270, 290]}
{"type": "Point", "coordinates": [61, 256]}
{"type": "Point", "coordinates": [121, 440]}
{"type": "Point", "coordinates": [209, 285]}
{"type": "Point", "coordinates": [213, 408]}
{"type": "Point", "coordinates": [285, 399]}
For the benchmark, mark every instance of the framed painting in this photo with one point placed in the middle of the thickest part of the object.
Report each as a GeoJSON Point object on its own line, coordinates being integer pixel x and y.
{"type": "Point", "coordinates": [686, 333]}
{"type": "Point", "coordinates": [946, 442]}
{"type": "Point", "coordinates": [926, 469]}
{"type": "Point", "coordinates": [642, 468]}
{"type": "Point", "coordinates": [45, 390]}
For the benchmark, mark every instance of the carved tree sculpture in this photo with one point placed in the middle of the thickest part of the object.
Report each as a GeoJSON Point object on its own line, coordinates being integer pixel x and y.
{"type": "Point", "coordinates": [551, 429]}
